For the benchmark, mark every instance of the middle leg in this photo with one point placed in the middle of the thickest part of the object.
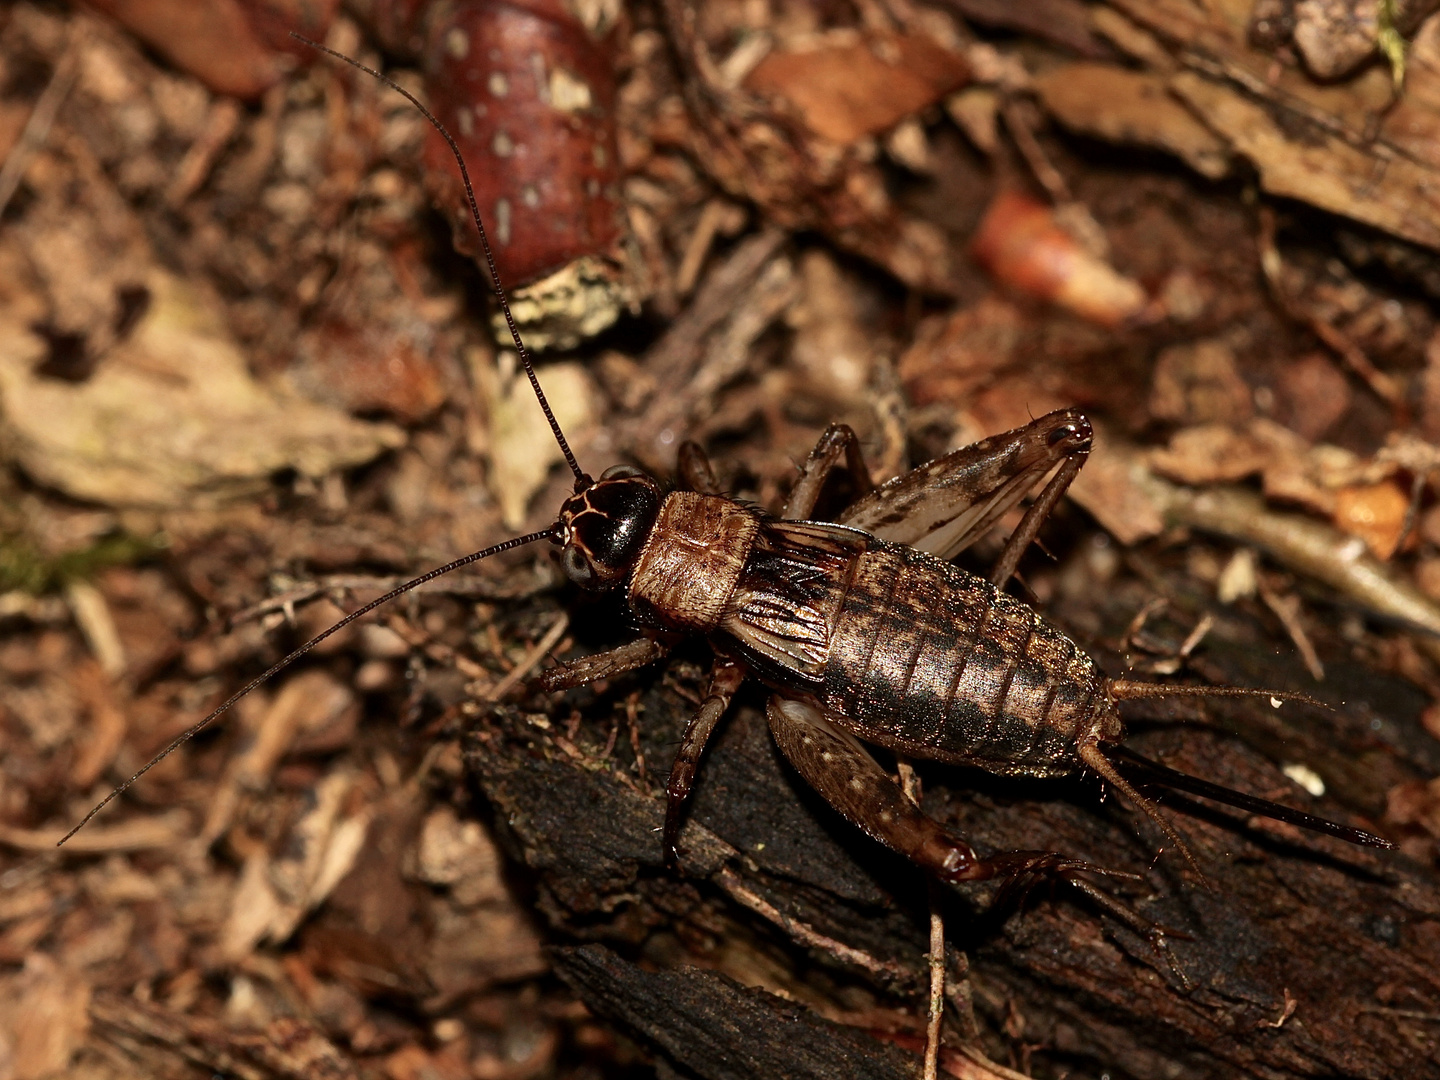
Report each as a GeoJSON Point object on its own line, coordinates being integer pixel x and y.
{"type": "Point", "coordinates": [838, 448]}
{"type": "Point", "coordinates": [725, 679]}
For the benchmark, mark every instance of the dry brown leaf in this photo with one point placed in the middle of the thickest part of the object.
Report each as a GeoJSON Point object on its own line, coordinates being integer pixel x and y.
{"type": "Point", "coordinates": [459, 854]}
{"type": "Point", "coordinates": [1427, 577]}
{"type": "Point", "coordinates": [1291, 469]}
{"type": "Point", "coordinates": [1414, 122]}
{"type": "Point", "coordinates": [1128, 106]}
{"type": "Point", "coordinates": [848, 89]}
{"type": "Point", "coordinates": [1336, 36]}
{"type": "Point", "coordinates": [394, 372]}
{"type": "Point", "coordinates": [1316, 167]}
{"type": "Point", "coordinates": [1198, 383]}
{"type": "Point", "coordinates": [1210, 454]}
{"type": "Point", "coordinates": [319, 851]}
{"type": "Point", "coordinates": [952, 355]}
{"type": "Point", "coordinates": [307, 703]}
{"type": "Point", "coordinates": [171, 418]}
{"type": "Point", "coordinates": [217, 41]}
{"type": "Point", "coordinates": [1113, 489]}
{"type": "Point", "coordinates": [254, 907]}
{"type": "Point", "coordinates": [1416, 802]}
{"type": "Point", "coordinates": [1311, 394]}
{"type": "Point", "coordinates": [522, 449]}
{"type": "Point", "coordinates": [411, 1062]}
{"type": "Point", "coordinates": [831, 345]}
{"type": "Point", "coordinates": [492, 942]}
{"type": "Point", "coordinates": [44, 1017]}
{"type": "Point", "coordinates": [757, 149]}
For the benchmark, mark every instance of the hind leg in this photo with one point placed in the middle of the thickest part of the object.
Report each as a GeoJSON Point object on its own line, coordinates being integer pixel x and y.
{"type": "Point", "coordinates": [840, 769]}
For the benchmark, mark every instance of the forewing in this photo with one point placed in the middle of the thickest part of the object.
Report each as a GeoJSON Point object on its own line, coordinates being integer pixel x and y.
{"type": "Point", "coordinates": [947, 504]}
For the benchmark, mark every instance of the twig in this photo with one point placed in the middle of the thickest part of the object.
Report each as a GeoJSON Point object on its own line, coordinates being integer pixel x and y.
{"type": "Point", "coordinates": [632, 720]}
{"type": "Point", "coordinates": [910, 784]}
{"type": "Point", "coordinates": [137, 834]}
{"type": "Point", "coordinates": [968, 1063]}
{"type": "Point", "coordinates": [1287, 610]}
{"type": "Point", "coordinates": [92, 615]}
{"type": "Point", "coordinates": [804, 934]}
{"type": "Point", "coordinates": [1020, 119]}
{"type": "Point", "coordinates": [1404, 1014]}
{"type": "Point", "coordinates": [221, 124]}
{"type": "Point", "coordinates": [1286, 1011]}
{"type": "Point", "coordinates": [42, 118]}
{"type": "Point", "coordinates": [531, 660]}
{"type": "Point", "coordinates": [473, 586]}
{"type": "Point", "coordinates": [718, 216]}
{"type": "Point", "coordinates": [1381, 385]}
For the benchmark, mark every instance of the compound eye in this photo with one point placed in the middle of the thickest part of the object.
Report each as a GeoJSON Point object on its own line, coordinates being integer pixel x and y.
{"type": "Point", "coordinates": [621, 472]}
{"type": "Point", "coordinates": [577, 567]}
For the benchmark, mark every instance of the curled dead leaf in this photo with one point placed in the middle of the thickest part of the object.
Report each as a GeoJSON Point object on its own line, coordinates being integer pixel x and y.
{"type": "Point", "coordinates": [1375, 513]}
{"type": "Point", "coordinates": [1022, 245]}
{"type": "Point", "coordinates": [1126, 106]}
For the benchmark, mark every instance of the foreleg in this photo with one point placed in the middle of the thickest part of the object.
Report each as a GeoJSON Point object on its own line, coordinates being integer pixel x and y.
{"type": "Point", "coordinates": [605, 665]}
{"type": "Point", "coordinates": [695, 471]}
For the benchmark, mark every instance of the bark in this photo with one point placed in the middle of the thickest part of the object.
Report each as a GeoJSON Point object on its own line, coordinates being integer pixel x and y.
{"type": "Point", "coordinates": [1305, 957]}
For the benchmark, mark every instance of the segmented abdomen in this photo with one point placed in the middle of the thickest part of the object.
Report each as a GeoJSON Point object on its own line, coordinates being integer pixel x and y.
{"type": "Point", "coordinates": [929, 659]}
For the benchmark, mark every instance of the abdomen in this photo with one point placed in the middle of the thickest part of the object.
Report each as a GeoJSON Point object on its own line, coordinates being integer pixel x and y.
{"type": "Point", "coordinates": [929, 660]}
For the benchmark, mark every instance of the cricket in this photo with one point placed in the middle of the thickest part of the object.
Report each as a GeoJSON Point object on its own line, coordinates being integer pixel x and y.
{"type": "Point", "coordinates": [862, 628]}
{"type": "Point", "coordinates": [874, 649]}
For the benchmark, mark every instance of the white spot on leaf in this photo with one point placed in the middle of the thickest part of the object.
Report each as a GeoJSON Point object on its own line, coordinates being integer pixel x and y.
{"type": "Point", "coordinates": [568, 92]}
{"type": "Point", "coordinates": [502, 222]}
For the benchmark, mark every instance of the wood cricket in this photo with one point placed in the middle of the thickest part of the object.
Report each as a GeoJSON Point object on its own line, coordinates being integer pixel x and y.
{"type": "Point", "coordinates": [861, 628]}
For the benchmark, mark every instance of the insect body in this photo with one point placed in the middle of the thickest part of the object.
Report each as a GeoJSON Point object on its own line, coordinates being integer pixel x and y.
{"type": "Point", "coordinates": [868, 639]}
{"type": "Point", "coordinates": [861, 627]}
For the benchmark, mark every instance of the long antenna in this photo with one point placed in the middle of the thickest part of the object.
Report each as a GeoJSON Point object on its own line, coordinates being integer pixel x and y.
{"type": "Point", "coordinates": [280, 665]}
{"type": "Point", "coordinates": [582, 479]}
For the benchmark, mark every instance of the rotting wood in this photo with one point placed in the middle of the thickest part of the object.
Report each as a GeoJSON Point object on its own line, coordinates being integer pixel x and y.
{"type": "Point", "coordinates": [1088, 987]}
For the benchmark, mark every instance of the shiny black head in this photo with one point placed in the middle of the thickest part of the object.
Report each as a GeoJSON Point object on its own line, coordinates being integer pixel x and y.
{"type": "Point", "coordinates": [604, 527]}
